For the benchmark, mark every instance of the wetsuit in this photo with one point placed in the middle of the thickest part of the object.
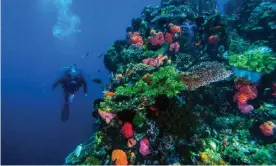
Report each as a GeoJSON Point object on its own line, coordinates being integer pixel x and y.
{"type": "Point", "coordinates": [70, 83]}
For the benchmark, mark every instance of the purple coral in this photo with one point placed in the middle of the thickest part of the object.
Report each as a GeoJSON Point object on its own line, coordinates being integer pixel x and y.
{"type": "Point", "coordinates": [190, 27]}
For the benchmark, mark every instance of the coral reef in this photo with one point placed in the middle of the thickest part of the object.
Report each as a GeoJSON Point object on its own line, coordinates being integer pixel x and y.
{"type": "Point", "coordinates": [189, 86]}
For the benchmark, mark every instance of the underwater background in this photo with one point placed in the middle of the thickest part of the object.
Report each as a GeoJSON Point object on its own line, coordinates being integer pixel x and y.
{"type": "Point", "coordinates": [169, 82]}
{"type": "Point", "coordinates": [32, 132]}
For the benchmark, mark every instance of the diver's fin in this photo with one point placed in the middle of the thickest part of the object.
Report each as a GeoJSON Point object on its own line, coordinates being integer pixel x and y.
{"type": "Point", "coordinates": [65, 113]}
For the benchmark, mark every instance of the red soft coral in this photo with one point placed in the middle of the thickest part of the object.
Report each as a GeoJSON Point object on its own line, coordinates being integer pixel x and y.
{"type": "Point", "coordinates": [127, 130]}
{"type": "Point", "coordinates": [169, 37]}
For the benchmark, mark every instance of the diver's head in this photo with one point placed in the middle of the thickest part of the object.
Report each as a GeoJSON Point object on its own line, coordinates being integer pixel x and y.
{"type": "Point", "coordinates": [73, 70]}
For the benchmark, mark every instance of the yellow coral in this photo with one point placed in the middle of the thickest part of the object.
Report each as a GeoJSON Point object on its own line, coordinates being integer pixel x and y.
{"type": "Point", "coordinates": [204, 157]}
{"type": "Point", "coordinates": [207, 158]}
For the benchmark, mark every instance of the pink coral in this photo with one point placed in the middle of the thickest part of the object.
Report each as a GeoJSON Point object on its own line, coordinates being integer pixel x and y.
{"type": "Point", "coordinates": [156, 38]}
{"type": "Point", "coordinates": [127, 130]}
{"type": "Point", "coordinates": [267, 128]}
{"type": "Point", "coordinates": [107, 116]}
{"type": "Point", "coordinates": [245, 93]}
{"type": "Point", "coordinates": [245, 108]}
{"type": "Point", "coordinates": [155, 62]}
{"type": "Point", "coordinates": [144, 147]}
{"type": "Point", "coordinates": [151, 61]}
{"type": "Point", "coordinates": [135, 38]}
{"type": "Point", "coordinates": [174, 47]}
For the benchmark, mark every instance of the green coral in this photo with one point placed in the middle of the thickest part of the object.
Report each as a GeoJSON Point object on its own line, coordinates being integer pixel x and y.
{"type": "Point", "coordinates": [139, 120]}
{"type": "Point", "coordinates": [238, 45]}
{"type": "Point", "coordinates": [163, 82]}
{"type": "Point", "coordinates": [91, 160]}
{"type": "Point", "coordinates": [137, 71]}
{"type": "Point", "coordinates": [265, 155]}
{"type": "Point", "coordinates": [113, 105]}
{"type": "Point", "coordinates": [254, 60]}
{"type": "Point", "coordinates": [131, 54]}
{"type": "Point", "coordinates": [148, 54]}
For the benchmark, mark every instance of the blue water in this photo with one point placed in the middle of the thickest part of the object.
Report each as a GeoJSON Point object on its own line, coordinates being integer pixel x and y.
{"type": "Point", "coordinates": [32, 132]}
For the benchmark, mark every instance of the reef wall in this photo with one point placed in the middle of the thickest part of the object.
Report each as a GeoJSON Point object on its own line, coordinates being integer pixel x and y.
{"type": "Point", "coordinates": [189, 85]}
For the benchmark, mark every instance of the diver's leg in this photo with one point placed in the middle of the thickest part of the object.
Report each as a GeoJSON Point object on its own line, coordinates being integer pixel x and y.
{"type": "Point", "coordinates": [65, 110]}
{"type": "Point", "coordinates": [71, 97]}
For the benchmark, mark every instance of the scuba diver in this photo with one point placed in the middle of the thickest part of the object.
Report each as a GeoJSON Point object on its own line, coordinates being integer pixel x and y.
{"type": "Point", "coordinates": [70, 81]}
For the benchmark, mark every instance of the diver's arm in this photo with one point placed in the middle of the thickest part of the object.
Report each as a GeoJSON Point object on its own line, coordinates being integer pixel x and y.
{"type": "Point", "coordinates": [58, 81]}
{"type": "Point", "coordinates": [84, 85]}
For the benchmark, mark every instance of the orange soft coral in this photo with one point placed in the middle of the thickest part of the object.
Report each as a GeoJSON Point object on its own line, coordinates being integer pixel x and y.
{"type": "Point", "coordinates": [242, 97]}
{"type": "Point", "coordinates": [136, 39]}
{"type": "Point", "coordinates": [267, 128]}
{"type": "Point", "coordinates": [119, 157]}
{"type": "Point", "coordinates": [155, 62]}
{"type": "Point", "coordinates": [109, 94]}
{"type": "Point", "coordinates": [174, 28]}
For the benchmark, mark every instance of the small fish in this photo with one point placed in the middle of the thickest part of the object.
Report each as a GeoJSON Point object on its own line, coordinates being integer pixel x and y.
{"type": "Point", "coordinates": [152, 108]}
{"type": "Point", "coordinates": [207, 14]}
{"type": "Point", "coordinates": [97, 80]}
{"type": "Point", "coordinates": [86, 55]}
{"type": "Point", "coordinates": [154, 111]}
{"type": "Point", "coordinates": [217, 27]}
{"type": "Point", "coordinates": [100, 55]}
{"type": "Point", "coordinates": [198, 43]}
